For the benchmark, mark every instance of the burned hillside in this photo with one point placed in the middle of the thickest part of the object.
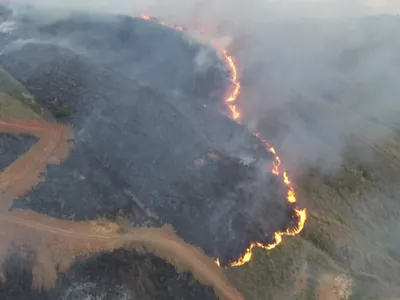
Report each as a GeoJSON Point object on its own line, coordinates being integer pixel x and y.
{"type": "Point", "coordinates": [148, 153]}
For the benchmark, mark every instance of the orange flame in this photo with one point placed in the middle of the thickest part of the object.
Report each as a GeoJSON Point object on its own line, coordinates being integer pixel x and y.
{"type": "Point", "coordinates": [149, 18]}
{"type": "Point", "coordinates": [145, 17]}
{"type": "Point", "coordinates": [300, 215]}
{"type": "Point", "coordinates": [233, 95]}
{"type": "Point", "coordinates": [291, 197]}
{"type": "Point", "coordinates": [235, 114]}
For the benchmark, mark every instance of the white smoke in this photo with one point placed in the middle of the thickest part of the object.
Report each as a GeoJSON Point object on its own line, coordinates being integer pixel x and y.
{"type": "Point", "coordinates": [7, 27]}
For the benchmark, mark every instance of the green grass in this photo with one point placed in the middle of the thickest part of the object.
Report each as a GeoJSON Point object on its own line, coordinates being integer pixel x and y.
{"type": "Point", "coordinates": [273, 274]}
{"type": "Point", "coordinates": [319, 235]}
{"type": "Point", "coordinates": [344, 235]}
{"type": "Point", "coordinates": [16, 90]}
{"type": "Point", "coordinates": [11, 108]}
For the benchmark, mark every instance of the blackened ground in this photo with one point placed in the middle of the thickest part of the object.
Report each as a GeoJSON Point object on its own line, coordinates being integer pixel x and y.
{"type": "Point", "coordinates": [158, 56]}
{"type": "Point", "coordinates": [123, 273]}
{"type": "Point", "coordinates": [12, 146]}
{"type": "Point", "coordinates": [82, 188]}
{"type": "Point", "coordinates": [189, 165]}
{"type": "Point", "coordinates": [153, 54]}
{"type": "Point", "coordinates": [119, 275]}
{"type": "Point", "coordinates": [18, 277]}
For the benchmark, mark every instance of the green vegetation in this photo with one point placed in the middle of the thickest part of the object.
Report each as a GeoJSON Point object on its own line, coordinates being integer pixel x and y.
{"type": "Point", "coordinates": [63, 113]}
{"type": "Point", "coordinates": [287, 271]}
{"type": "Point", "coordinates": [11, 108]}
{"type": "Point", "coordinates": [348, 238]}
{"type": "Point", "coordinates": [10, 86]}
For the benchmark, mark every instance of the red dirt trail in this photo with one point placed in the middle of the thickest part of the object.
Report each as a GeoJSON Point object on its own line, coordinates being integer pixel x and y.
{"type": "Point", "coordinates": [60, 242]}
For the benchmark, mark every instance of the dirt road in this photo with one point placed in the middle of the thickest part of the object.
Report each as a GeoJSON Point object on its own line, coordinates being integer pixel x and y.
{"type": "Point", "coordinates": [59, 242]}
{"type": "Point", "coordinates": [25, 173]}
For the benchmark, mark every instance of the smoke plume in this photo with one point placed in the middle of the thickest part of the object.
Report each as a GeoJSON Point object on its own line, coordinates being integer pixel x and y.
{"type": "Point", "coordinates": [320, 66]}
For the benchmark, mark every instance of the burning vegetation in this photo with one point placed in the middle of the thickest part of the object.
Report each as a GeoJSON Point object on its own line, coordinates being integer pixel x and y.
{"type": "Point", "coordinates": [299, 214]}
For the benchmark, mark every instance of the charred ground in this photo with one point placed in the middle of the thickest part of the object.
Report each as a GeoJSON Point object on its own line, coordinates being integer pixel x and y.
{"type": "Point", "coordinates": [146, 154]}
{"type": "Point", "coordinates": [12, 146]}
{"type": "Point", "coordinates": [119, 274]}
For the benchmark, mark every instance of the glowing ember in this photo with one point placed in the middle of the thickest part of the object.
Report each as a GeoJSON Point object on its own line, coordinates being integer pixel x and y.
{"type": "Point", "coordinates": [300, 215]}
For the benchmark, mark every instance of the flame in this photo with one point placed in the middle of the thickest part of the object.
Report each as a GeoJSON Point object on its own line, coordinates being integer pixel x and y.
{"type": "Point", "coordinates": [218, 262]}
{"type": "Point", "coordinates": [299, 215]}
{"type": "Point", "coordinates": [154, 20]}
{"type": "Point", "coordinates": [291, 197]}
{"type": "Point", "coordinates": [231, 64]}
{"type": "Point", "coordinates": [145, 17]}
{"type": "Point", "coordinates": [235, 114]}
{"type": "Point", "coordinates": [286, 179]}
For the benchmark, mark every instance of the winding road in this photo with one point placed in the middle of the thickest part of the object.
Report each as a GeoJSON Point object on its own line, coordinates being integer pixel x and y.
{"type": "Point", "coordinates": [59, 242]}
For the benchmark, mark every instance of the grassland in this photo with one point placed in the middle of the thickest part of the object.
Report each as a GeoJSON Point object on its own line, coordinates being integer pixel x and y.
{"type": "Point", "coordinates": [15, 90]}
{"type": "Point", "coordinates": [349, 248]}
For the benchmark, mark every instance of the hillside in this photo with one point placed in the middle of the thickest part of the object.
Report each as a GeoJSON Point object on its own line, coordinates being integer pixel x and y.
{"type": "Point", "coordinates": [121, 131]}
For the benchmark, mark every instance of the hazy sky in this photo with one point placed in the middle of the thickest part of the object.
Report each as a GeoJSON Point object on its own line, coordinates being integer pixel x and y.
{"type": "Point", "coordinates": [255, 8]}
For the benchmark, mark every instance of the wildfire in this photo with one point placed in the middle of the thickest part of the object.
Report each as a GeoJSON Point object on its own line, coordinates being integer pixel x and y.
{"type": "Point", "coordinates": [233, 95]}
{"type": "Point", "coordinates": [299, 215]}
{"type": "Point", "coordinates": [145, 17]}
{"type": "Point", "coordinates": [173, 26]}
{"type": "Point", "coordinates": [235, 114]}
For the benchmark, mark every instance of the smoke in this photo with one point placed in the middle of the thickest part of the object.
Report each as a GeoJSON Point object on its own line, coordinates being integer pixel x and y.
{"type": "Point", "coordinates": [320, 72]}
{"type": "Point", "coordinates": [323, 71]}
{"type": "Point", "coordinates": [221, 11]}
{"type": "Point", "coordinates": [316, 75]}
{"type": "Point", "coordinates": [315, 71]}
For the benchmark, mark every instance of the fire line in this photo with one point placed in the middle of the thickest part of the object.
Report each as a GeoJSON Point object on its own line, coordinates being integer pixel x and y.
{"type": "Point", "coordinates": [300, 214]}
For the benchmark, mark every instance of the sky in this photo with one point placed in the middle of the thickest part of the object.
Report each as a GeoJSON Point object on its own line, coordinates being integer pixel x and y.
{"type": "Point", "coordinates": [282, 8]}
